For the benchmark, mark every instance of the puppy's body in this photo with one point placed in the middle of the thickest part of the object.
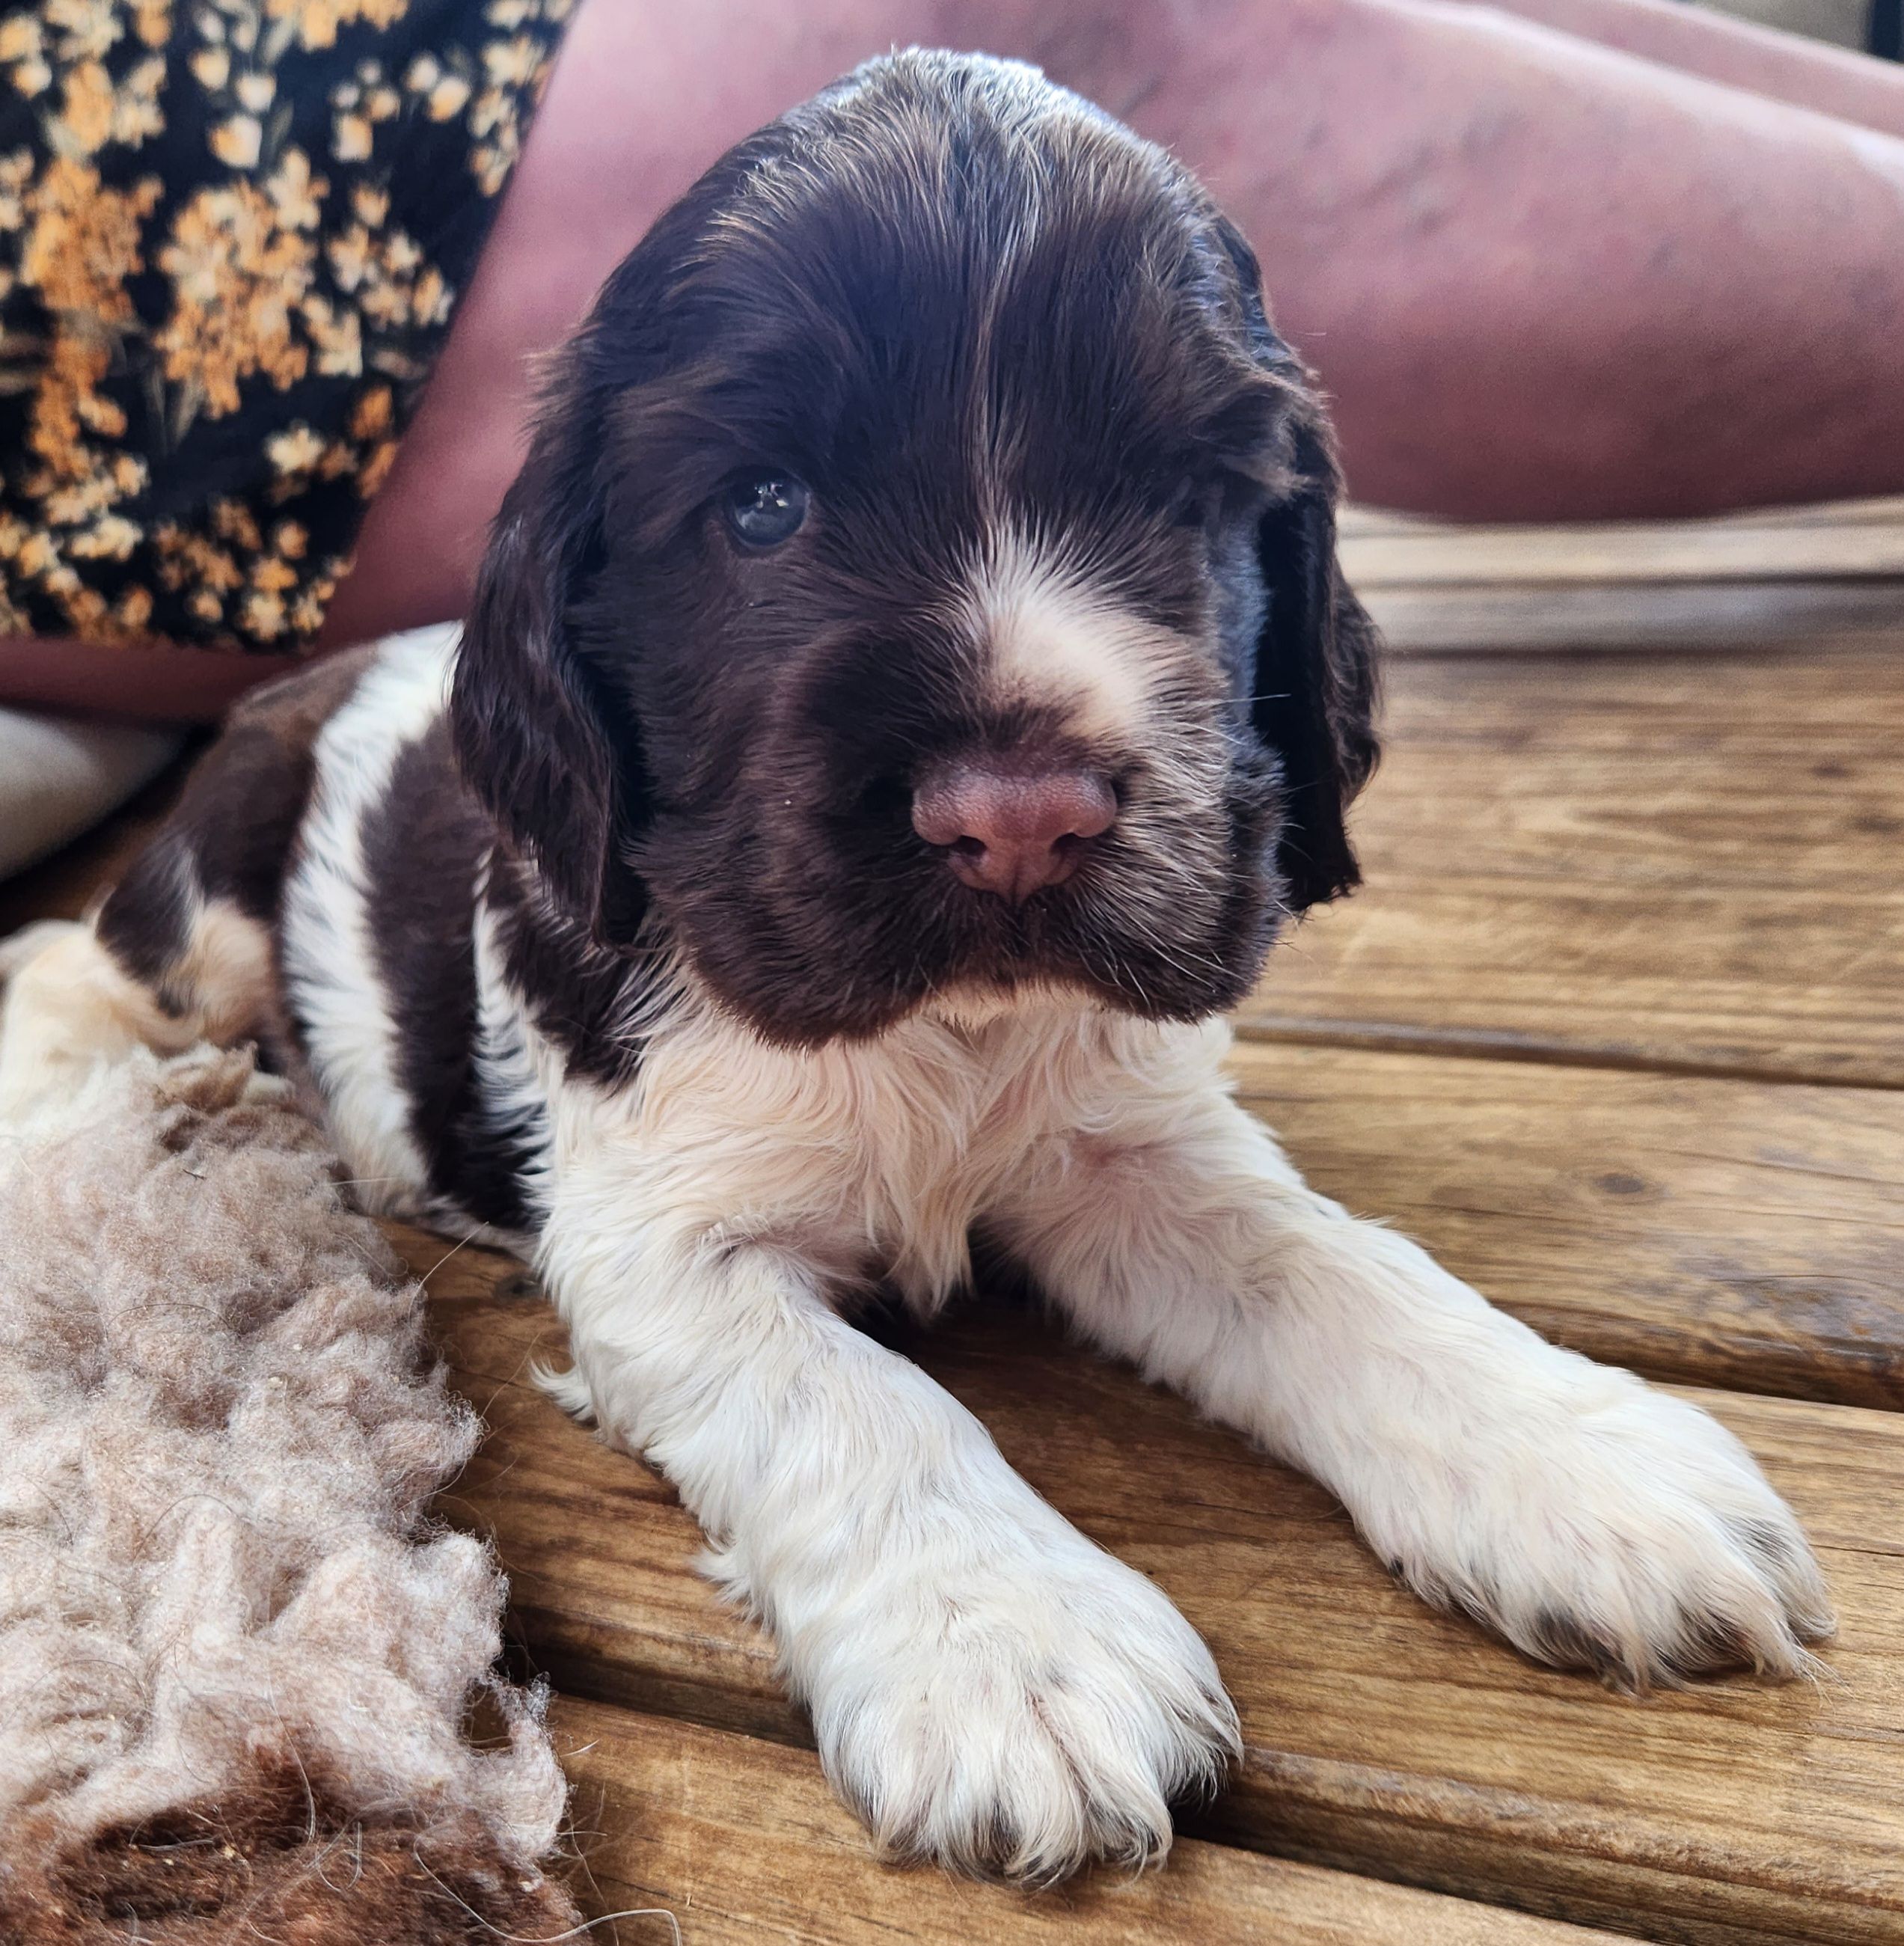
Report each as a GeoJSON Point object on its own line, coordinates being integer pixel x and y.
{"type": "Point", "coordinates": [445, 1028]}
{"type": "Point", "coordinates": [909, 685]}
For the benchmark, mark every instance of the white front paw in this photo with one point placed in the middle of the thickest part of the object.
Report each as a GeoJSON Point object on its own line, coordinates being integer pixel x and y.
{"type": "Point", "coordinates": [1618, 1529]}
{"type": "Point", "coordinates": [1013, 1704]}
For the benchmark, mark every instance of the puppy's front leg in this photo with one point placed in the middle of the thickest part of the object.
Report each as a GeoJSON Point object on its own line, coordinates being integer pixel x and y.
{"type": "Point", "coordinates": [988, 1688]}
{"type": "Point", "coordinates": [1591, 1519]}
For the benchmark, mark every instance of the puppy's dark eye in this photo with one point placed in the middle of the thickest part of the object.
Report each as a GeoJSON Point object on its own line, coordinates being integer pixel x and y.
{"type": "Point", "coordinates": [765, 509]}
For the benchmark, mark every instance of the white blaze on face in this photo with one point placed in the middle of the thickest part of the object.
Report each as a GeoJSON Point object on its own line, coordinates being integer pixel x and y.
{"type": "Point", "coordinates": [1049, 640]}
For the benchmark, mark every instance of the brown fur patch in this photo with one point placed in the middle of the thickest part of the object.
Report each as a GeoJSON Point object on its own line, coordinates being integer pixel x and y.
{"type": "Point", "coordinates": [231, 835]}
{"type": "Point", "coordinates": [274, 1858]}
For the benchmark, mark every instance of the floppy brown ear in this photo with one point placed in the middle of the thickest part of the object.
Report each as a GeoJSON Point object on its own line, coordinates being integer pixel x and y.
{"type": "Point", "coordinates": [549, 750]}
{"type": "Point", "coordinates": [536, 739]}
{"type": "Point", "coordinates": [1315, 683]}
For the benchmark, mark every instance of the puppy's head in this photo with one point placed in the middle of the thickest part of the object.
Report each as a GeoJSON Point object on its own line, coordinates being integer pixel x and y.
{"type": "Point", "coordinates": [923, 581]}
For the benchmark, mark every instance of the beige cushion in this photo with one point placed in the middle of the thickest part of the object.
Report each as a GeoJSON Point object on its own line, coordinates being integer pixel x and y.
{"type": "Point", "coordinates": [59, 775]}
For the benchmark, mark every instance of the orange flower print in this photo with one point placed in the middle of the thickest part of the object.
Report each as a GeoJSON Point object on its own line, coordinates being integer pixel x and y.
{"type": "Point", "coordinates": [229, 249]}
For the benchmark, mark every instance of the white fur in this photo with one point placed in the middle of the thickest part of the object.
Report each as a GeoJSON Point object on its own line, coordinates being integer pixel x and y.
{"type": "Point", "coordinates": [330, 963]}
{"type": "Point", "coordinates": [987, 1687]}
{"type": "Point", "coordinates": [69, 1009]}
{"type": "Point", "coordinates": [506, 1073]}
{"type": "Point", "coordinates": [1051, 636]}
{"type": "Point", "coordinates": [1579, 1510]}
{"type": "Point", "coordinates": [970, 1661]}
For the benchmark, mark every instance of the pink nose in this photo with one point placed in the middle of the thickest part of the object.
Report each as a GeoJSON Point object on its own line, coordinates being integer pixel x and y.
{"type": "Point", "coordinates": [1013, 826]}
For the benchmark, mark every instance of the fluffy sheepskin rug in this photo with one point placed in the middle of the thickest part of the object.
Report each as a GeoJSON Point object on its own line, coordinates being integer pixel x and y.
{"type": "Point", "coordinates": [236, 1664]}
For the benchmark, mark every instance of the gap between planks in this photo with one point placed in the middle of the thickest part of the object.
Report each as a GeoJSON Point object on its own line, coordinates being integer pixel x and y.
{"type": "Point", "coordinates": [1271, 1029]}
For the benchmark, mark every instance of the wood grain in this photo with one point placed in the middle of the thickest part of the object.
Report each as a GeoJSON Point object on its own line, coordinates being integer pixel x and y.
{"type": "Point", "coordinates": [741, 1841]}
{"type": "Point", "coordinates": [1724, 1233]}
{"type": "Point", "coordinates": [1713, 618]}
{"type": "Point", "coordinates": [1772, 525]}
{"type": "Point", "coordinates": [1382, 1738]}
{"type": "Point", "coordinates": [1775, 577]}
{"type": "Point", "coordinates": [1623, 551]}
{"type": "Point", "coordinates": [1675, 862]}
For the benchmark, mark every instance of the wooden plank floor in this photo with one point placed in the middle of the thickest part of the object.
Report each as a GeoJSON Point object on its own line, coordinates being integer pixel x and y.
{"type": "Point", "coordinates": [743, 1841]}
{"type": "Point", "coordinates": [1714, 1231]}
{"type": "Point", "coordinates": [1667, 862]}
{"type": "Point", "coordinates": [1814, 574]}
{"type": "Point", "coordinates": [1617, 1029]}
{"type": "Point", "coordinates": [1381, 1739]}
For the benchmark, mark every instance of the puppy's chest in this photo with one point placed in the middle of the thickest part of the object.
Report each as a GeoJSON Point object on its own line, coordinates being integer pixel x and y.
{"type": "Point", "coordinates": [877, 1158]}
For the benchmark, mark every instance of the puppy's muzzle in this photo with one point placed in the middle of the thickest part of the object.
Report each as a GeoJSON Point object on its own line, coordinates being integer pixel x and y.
{"type": "Point", "coordinates": [1013, 825]}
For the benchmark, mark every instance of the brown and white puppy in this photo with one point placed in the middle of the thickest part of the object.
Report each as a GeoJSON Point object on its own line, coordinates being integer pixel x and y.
{"type": "Point", "coordinates": [910, 683]}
